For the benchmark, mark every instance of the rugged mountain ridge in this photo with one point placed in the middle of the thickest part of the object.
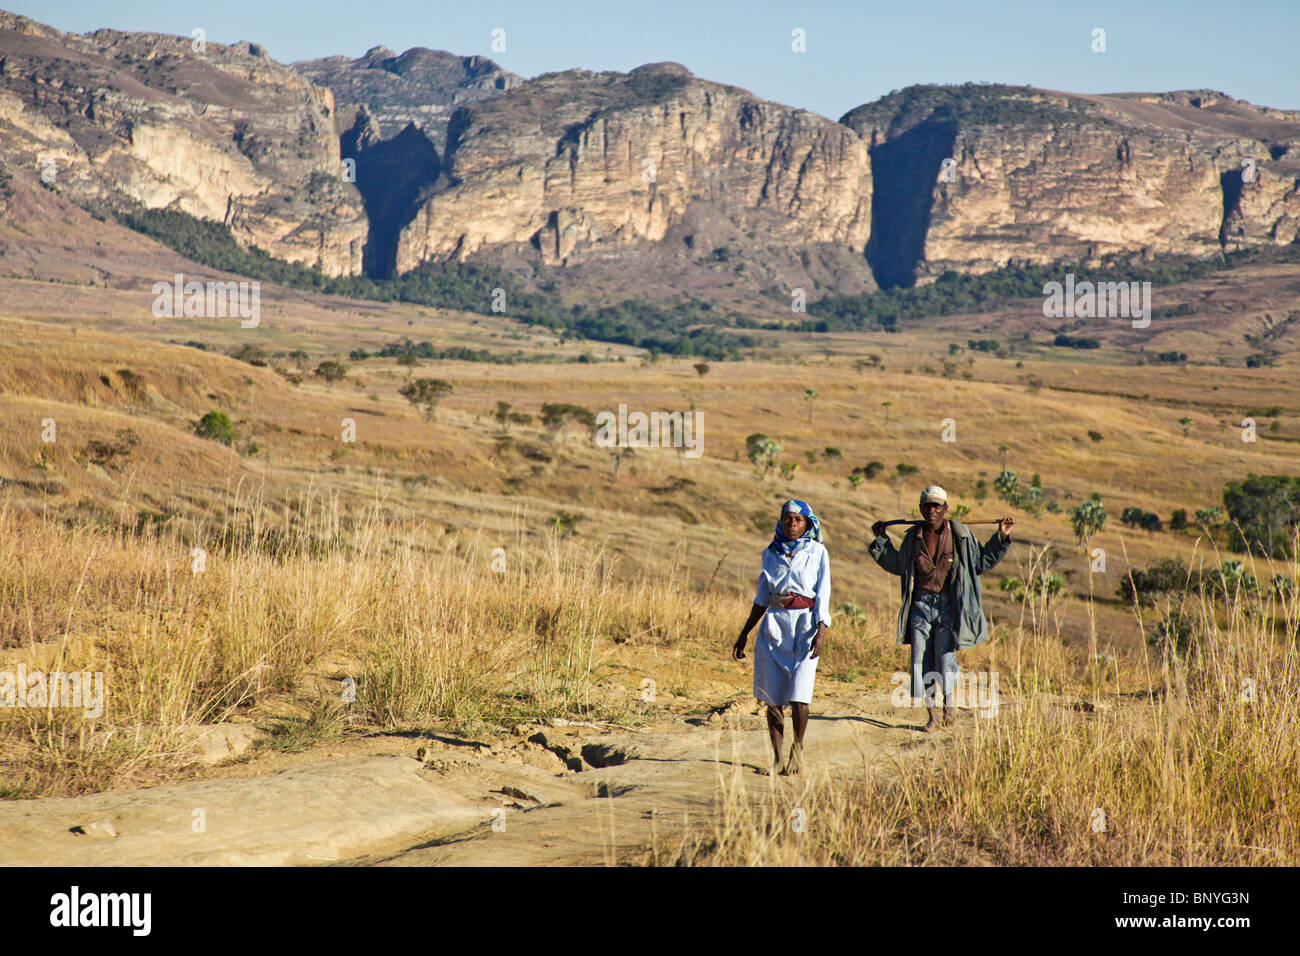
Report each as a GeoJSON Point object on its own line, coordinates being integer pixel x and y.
{"type": "Point", "coordinates": [118, 120]}
{"type": "Point", "coordinates": [652, 184]}
{"type": "Point", "coordinates": [392, 115]}
{"type": "Point", "coordinates": [421, 87]}
{"type": "Point", "coordinates": [576, 166]}
{"type": "Point", "coordinates": [1039, 176]}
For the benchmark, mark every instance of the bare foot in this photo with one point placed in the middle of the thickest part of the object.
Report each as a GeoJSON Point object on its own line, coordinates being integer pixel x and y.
{"type": "Point", "coordinates": [929, 727]}
{"type": "Point", "coordinates": [949, 716]}
{"type": "Point", "coordinates": [792, 766]}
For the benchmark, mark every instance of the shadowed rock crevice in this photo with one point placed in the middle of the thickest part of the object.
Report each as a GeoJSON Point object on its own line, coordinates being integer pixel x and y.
{"type": "Point", "coordinates": [604, 755]}
{"type": "Point", "coordinates": [391, 176]}
{"type": "Point", "coordinates": [904, 171]}
{"type": "Point", "coordinates": [1231, 228]}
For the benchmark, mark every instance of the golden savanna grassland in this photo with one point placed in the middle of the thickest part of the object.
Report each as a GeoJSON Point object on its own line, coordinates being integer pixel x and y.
{"type": "Point", "coordinates": [470, 574]}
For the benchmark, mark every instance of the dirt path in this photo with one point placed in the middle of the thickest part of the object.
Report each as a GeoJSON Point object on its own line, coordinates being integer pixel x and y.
{"type": "Point", "coordinates": [648, 790]}
{"type": "Point", "coordinates": [553, 794]}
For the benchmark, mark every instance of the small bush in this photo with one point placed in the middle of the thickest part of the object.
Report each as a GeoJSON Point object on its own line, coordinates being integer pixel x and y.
{"type": "Point", "coordinates": [216, 426]}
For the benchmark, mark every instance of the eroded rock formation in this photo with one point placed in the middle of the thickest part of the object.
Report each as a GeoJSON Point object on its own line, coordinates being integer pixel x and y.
{"type": "Point", "coordinates": [653, 183]}
{"type": "Point", "coordinates": [119, 120]}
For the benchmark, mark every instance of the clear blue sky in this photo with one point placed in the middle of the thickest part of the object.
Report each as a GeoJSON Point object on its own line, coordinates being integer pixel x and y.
{"type": "Point", "coordinates": [856, 51]}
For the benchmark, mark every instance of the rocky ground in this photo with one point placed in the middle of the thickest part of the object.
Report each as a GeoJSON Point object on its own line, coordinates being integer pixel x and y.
{"type": "Point", "coordinates": [553, 793]}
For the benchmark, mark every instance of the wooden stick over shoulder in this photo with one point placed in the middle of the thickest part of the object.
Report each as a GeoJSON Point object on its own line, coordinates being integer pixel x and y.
{"type": "Point", "coordinates": [894, 521]}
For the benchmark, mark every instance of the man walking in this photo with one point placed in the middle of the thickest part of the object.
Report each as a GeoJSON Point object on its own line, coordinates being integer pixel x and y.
{"type": "Point", "coordinates": [940, 562]}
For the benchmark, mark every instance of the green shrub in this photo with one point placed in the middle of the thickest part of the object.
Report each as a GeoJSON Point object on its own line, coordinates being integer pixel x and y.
{"type": "Point", "coordinates": [1137, 518]}
{"type": "Point", "coordinates": [1073, 342]}
{"type": "Point", "coordinates": [217, 427]}
{"type": "Point", "coordinates": [1263, 513]}
{"type": "Point", "coordinates": [689, 328]}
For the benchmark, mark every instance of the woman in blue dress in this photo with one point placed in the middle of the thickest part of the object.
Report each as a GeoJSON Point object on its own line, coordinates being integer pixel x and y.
{"type": "Point", "coordinates": [793, 600]}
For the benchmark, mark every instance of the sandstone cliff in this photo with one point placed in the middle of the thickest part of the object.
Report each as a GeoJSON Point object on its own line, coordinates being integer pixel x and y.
{"type": "Point", "coordinates": [420, 87]}
{"type": "Point", "coordinates": [579, 166]}
{"type": "Point", "coordinates": [1038, 176]}
{"type": "Point", "coordinates": [652, 184]}
{"type": "Point", "coordinates": [114, 119]}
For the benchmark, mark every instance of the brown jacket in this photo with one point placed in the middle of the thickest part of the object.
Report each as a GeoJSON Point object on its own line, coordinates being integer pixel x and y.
{"type": "Point", "coordinates": [931, 574]}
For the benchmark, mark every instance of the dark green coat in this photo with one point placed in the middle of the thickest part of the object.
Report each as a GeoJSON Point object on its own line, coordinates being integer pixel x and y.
{"type": "Point", "coordinates": [970, 560]}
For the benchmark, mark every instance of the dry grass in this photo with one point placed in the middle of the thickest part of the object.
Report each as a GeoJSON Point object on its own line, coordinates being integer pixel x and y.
{"type": "Point", "coordinates": [1090, 763]}
{"type": "Point", "coordinates": [716, 503]}
{"type": "Point", "coordinates": [303, 590]}
{"type": "Point", "coordinates": [1193, 763]}
{"type": "Point", "coordinates": [430, 634]}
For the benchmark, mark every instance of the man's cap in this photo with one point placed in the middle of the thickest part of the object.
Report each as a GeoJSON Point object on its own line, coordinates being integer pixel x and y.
{"type": "Point", "coordinates": [934, 494]}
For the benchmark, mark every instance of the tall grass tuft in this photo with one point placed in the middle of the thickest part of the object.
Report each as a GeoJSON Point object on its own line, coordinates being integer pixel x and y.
{"type": "Point", "coordinates": [1194, 763]}
{"type": "Point", "coordinates": [282, 608]}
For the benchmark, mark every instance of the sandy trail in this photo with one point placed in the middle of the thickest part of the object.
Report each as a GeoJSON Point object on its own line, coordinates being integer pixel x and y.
{"type": "Point", "coordinates": [556, 793]}
{"type": "Point", "coordinates": [656, 788]}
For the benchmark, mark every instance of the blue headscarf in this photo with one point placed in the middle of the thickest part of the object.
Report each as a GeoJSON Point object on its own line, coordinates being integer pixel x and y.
{"type": "Point", "coordinates": [783, 546]}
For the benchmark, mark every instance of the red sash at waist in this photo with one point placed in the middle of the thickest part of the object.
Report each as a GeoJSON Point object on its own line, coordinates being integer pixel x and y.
{"type": "Point", "coordinates": [796, 601]}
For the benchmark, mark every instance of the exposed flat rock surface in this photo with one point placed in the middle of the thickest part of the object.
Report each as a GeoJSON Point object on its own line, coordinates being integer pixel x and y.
{"type": "Point", "coordinates": [320, 813]}
{"type": "Point", "coordinates": [554, 793]}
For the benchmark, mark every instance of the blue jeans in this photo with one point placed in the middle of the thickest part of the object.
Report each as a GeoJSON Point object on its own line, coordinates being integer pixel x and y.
{"type": "Point", "coordinates": [934, 640]}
